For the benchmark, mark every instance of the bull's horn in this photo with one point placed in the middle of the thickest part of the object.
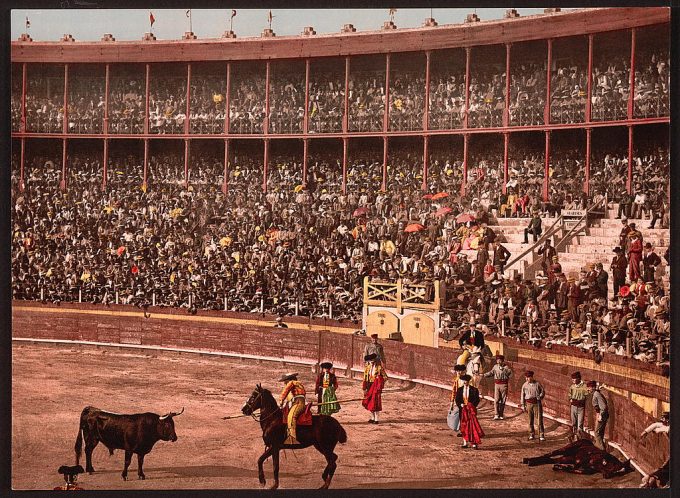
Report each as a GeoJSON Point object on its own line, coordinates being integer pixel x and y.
{"type": "Point", "coordinates": [171, 414]}
{"type": "Point", "coordinates": [177, 414]}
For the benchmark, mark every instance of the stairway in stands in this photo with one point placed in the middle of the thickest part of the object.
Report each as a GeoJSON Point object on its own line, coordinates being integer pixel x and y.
{"type": "Point", "coordinates": [599, 240]}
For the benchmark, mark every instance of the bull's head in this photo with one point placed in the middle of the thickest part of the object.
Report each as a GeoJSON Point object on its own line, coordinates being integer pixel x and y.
{"type": "Point", "coordinates": [254, 402]}
{"type": "Point", "coordinates": [166, 426]}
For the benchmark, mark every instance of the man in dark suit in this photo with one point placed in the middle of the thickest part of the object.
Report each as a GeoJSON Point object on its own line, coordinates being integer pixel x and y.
{"type": "Point", "coordinates": [601, 280]}
{"type": "Point", "coordinates": [618, 269]}
{"type": "Point", "coordinates": [650, 260]}
{"type": "Point", "coordinates": [467, 398]}
{"type": "Point", "coordinates": [547, 251]}
{"type": "Point", "coordinates": [500, 255]}
{"type": "Point", "coordinates": [534, 228]}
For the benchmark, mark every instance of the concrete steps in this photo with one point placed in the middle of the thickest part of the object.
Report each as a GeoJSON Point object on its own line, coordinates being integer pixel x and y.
{"type": "Point", "coordinates": [590, 248]}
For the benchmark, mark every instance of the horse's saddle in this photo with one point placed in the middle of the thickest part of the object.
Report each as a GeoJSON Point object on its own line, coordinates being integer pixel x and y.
{"type": "Point", "coordinates": [305, 417]}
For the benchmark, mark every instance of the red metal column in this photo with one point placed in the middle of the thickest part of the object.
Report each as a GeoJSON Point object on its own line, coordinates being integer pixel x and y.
{"type": "Point", "coordinates": [426, 111]}
{"type": "Point", "coordinates": [266, 163]}
{"type": "Point", "coordinates": [468, 50]}
{"type": "Point", "coordinates": [62, 184]}
{"type": "Point", "coordinates": [386, 115]}
{"type": "Point", "coordinates": [506, 111]}
{"type": "Point", "coordinates": [225, 182]}
{"type": "Point", "coordinates": [305, 125]}
{"type": "Point", "coordinates": [345, 118]}
{"type": "Point", "coordinates": [548, 77]}
{"type": "Point", "coordinates": [506, 144]}
{"type": "Point", "coordinates": [22, 124]}
{"type": "Point", "coordinates": [383, 187]}
{"type": "Point", "coordinates": [629, 181]}
{"type": "Point", "coordinates": [546, 177]}
{"type": "Point", "coordinates": [65, 123]}
{"type": "Point", "coordinates": [426, 160]}
{"type": "Point", "coordinates": [586, 186]}
{"type": "Point", "coordinates": [631, 91]}
{"type": "Point", "coordinates": [187, 122]}
{"type": "Point", "coordinates": [466, 142]}
{"type": "Point", "coordinates": [187, 119]}
{"type": "Point", "coordinates": [105, 127]}
{"type": "Point", "coordinates": [266, 101]}
{"type": "Point", "coordinates": [226, 100]}
{"type": "Point", "coordinates": [305, 152]}
{"type": "Point", "coordinates": [106, 101]}
{"type": "Point", "coordinates": [21, 166]}
{"type": "Point", "coordinates": [345, 143]}
{"type": "Point", "coordinates": [146, 160]}
{"type": "Point", "coordinates": [186, 163]}
{"type": "Point", "coordinates": [589, 102]}
{"type": "Point", "coordinates": [105, 173]}
{"type": "Point", "coordinates": [146, 109]}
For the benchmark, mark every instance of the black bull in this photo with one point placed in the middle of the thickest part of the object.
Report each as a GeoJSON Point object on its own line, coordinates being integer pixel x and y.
{"type": "Point", "coordinates": [582, 457]}
{"type": "Point", "coordinates": [132, 433]}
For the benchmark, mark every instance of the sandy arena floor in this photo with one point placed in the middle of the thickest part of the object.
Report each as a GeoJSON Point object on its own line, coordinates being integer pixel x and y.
{"type": "Point", "coordinates": [52, 384]}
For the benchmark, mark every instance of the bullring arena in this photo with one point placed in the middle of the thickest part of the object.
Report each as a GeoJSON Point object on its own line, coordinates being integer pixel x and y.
{"type": "Point", "coordinates": [194, 217]}
{"type": "Point", "coordinates": [120, 359]}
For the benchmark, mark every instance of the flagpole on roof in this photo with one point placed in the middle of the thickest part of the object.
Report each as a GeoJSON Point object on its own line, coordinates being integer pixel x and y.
{"type": "Point", "coordinates": [188, 14]}
{"type": "Point", "coordinates": [231, 20]}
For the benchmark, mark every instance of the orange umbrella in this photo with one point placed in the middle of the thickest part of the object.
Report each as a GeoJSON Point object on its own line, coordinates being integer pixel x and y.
{"type": "Point", "coordinates": [427, 196]}
{"type": "Point", "coordinates": [442, 211]}
{"type": "Point", "coordinates": [414, 227]}
{"type": "Point", "coordinates": [440, 195]}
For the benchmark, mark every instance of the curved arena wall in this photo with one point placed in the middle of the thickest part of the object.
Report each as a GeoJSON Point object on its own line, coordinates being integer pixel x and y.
{"type": "Point", "coordinates": [635, 390]}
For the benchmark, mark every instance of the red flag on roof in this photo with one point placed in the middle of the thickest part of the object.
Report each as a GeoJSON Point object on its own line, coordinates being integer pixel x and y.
{"type": "Point", "coordinates": [152, 19]}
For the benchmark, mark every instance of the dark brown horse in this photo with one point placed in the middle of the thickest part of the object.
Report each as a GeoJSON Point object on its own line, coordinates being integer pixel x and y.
{"type": "Point", "coordinates": [582, 457]}
{"type": "Point", "coordinates": [324, 433]}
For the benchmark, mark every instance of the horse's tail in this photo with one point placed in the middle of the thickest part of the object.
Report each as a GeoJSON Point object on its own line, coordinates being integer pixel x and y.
{"type": "Point", "coordinates": [342, 435]}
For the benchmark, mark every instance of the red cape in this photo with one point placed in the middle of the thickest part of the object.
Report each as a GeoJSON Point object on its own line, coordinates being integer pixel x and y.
{"type": "Point", "coordinates": [373, 398]}
{"type": "Point", "coordinates": [469, 425]}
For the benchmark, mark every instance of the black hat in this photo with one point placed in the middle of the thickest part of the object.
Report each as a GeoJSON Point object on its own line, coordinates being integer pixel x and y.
{"type": "Point", "coordinates": [500, 357]}
{"type": "Point", "coordinates": [529, 373]}
{"type": "Point", "coordinates": [618, 249]}
{"type": "Point", "coordinates": [287, 377]}
{"type": "Point", "coordinates": [591, 383]}
{"type": "Point", "coordinates": [374, 335]}
{"type": "Point", "coordinates": [465, 377]}
{"type": "Point", "coordinates": [459, 368]}
{"type": "Point", "coordinates": [576, 375]}
{"type": "Point", "coordinates": [370, 357]}
{"type": "Point", "coordinates": [327, 365]}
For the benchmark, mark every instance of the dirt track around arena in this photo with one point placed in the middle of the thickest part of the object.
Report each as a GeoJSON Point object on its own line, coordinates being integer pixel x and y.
{"type": "Point", "coordinates": [411, 448]}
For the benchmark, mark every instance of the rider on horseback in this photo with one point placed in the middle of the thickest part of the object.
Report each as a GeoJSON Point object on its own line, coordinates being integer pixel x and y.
{"type": "Point", "coordinates": [472, 341]}
{"type": "Point", "coordinates": [294, 395]}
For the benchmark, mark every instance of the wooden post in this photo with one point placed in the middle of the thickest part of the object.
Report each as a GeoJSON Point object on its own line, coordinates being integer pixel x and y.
{"type": "Point", "coordinates": [305, 156]}
{"type": "Point", "coordinates": [466, 142]}
{"type": "Point", "coordinates": [628, 347]}
{"type": "Point", "coordinates": [106, 102]}
{"type": "Point", "coordinates": [22, 124]}
{"type": "Point", "coordinates": [426, 161]}
{"type": "Point", "coordinates": [21, 166]}
{"type": "Point", "coordinates": [225, 179]}
{"type": "Point", "coordinates": [187, 118]}
{"type": "Point", "coordinates": [65, 121]}
{"type": "Point", "coordinates": [146, 160]}
{"type": "Point", "coordinates": [266, 99]}
{"type": "Point", "coordinates": [63, 164]}
{"type": "Point", "coordinates": [105, 173]}
{"type": "Point", "coordinates": [384, 172]}
{"type": "Point", "coordinates": [186, 162]}
{"type": "Point", "coordinates": [266, 164]}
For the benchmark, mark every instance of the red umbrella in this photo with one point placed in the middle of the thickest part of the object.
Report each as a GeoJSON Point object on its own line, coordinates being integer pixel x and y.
{"type": "Point", "coordinates": [427, 196]}
{"type": "Point", "coordinates": [414, 227]}
{"type": "Point", "coordinates": [360, 211]}
{"type": "Point", "coordinates": [464, 218]}
{"type": "Point", "coordinates": [440, 195]}
{"type": "Point", "coordinates": [442, 211]}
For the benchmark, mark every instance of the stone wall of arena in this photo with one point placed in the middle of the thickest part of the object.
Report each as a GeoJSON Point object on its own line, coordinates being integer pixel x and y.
{"type": "Point", "coordinates": [637, 392]}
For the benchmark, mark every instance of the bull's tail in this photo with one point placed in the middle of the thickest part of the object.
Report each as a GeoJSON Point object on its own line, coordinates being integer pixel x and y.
{"type": "Point", "coordinates": [81, 427]}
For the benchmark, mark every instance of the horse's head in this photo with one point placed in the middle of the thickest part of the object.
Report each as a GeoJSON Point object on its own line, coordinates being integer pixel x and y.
{"type": "Point", "coordinates": [254, 402]}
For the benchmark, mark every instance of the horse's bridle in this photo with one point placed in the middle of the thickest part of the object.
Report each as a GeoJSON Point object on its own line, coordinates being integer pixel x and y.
{"type": "Point", "coordinates": [252, 411]}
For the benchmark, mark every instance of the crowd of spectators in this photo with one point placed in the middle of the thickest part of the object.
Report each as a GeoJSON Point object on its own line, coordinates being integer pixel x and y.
{"type": "Point", "coordinates": [167, 99]}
